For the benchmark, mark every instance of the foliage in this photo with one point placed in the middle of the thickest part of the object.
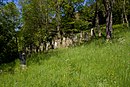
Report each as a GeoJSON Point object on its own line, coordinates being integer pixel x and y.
{"type": "Point", "coordinates": [9, 17]}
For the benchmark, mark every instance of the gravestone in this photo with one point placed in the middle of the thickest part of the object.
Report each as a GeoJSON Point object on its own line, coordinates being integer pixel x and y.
{"type": "Point", "coordinates": [23, 60]}
{"type": "Point", "coordinates": [47, 46]}
{"type": "Point", "coordinates": [64, 42]}
{"type": "Point", "coordinates": [93, 33]}
{"type": "Point", "coordinates": [86, 37]}
{"type": "Point", "coordinates": [55, 44]}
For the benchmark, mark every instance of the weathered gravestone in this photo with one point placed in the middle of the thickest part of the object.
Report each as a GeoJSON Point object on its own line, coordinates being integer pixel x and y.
{"type": "Point", "coordinates": [86, 37]}
{"type": "Point", "coordinates": [93, 33]}
{"type": "Point", "coordinates": [22, 60]}
{"type": "Point", "coordinates": [64, 42]}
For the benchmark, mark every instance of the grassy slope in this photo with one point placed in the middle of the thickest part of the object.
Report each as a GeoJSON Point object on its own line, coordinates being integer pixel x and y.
{"type": "Point", "coordinates": [98, 64]}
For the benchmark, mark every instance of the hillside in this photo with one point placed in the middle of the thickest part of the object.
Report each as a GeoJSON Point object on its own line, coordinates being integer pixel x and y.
{"type": "Point", "coordinates": [95, 64]}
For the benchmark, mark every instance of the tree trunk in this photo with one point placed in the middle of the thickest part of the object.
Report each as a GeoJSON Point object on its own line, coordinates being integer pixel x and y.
{"type": "Point", "coordinates": [126, 19]}
{"type": "Point", "coordinates": [97, 20]}
{"type": "Point", "coordinates": [108, 7]}
{"type": "Point", "coordinates": [123, 18]}
{"type": "Point", "coordinates": [111, 22]}
{"type": "Point", "coordinates": [44, 46]}
{"type": "Point", "coordinates": [108, 13]}
{"type": "Point", "coordinates": [36, 49]}
{"type": "Point", "coordinates": [17, 46]}
{"type": "Point", "coordinates": [124, 3]}
{"type": "Point", "coordinates": [98, 27]}
{"type": "Point", "coordinates": [46, 20]}
{"type": "Point", "coordinates": [30, 48]}
{"type": "Point", "coordinates": [58, 19]}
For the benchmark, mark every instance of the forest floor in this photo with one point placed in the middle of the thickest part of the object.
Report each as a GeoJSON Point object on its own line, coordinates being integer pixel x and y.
{"type": "Point", "coordinates": [95, 64]}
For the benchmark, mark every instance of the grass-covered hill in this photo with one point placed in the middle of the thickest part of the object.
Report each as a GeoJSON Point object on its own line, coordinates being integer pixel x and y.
{"type": "Point", "coordinates": [95, 64]}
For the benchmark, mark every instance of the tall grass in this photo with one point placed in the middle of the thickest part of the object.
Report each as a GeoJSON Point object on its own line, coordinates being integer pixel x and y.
{"type": "Point", "coordinates": [98, 64]}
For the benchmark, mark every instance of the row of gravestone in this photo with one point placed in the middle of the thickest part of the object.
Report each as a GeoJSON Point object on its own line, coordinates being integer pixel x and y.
{"type": "Point", "coordinates": [61, 43]}
{"type": "Point", "coordinates": [67, 41]}
{"type": "Point", "coordinates": [73, 39]}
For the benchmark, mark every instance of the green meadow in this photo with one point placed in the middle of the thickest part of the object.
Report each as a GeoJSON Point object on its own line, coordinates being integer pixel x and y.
{"type": "Point", "coordinates": [97, 63]}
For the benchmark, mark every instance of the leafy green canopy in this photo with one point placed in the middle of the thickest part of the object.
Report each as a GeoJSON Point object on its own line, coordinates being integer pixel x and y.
{"type": "Point", "coordinates": [9, 16]}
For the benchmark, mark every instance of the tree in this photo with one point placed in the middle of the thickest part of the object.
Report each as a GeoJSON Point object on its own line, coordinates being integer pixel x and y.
{"type": "Point", "coordinates": [125, 12]}
{"type": "Point", "coordinates": [9, 16]}
{"type": "Point", "coordinates": [99, 16]}
{"type": "Point", "coordinates": [108, 4]}
{"type": "Point", "coordinates": [121, 12]}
